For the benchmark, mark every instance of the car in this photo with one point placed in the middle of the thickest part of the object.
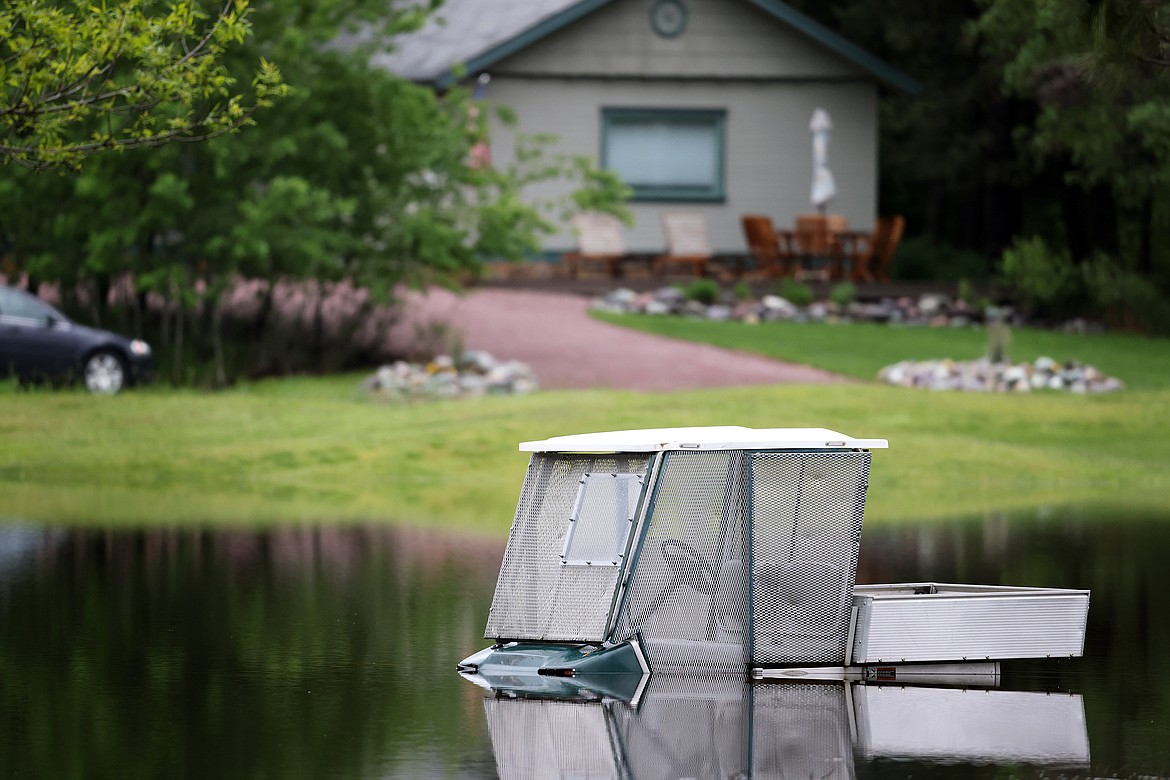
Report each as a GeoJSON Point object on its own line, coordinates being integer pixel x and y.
{"type": "Point", "coordinates": [39, 343]}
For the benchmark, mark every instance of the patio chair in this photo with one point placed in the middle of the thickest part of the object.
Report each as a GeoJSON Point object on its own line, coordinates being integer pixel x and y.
{"type": "Point", "coordinates": [887, 234]}
{"type": "Point", "coordinates": [817, 250]}
{"type": "Point", "coordinates": [599, 243]}
{"type": "Point", "coordinates": [687, 242]}
{"type": "Point", "coordinates": [870, 255]}
{"type": "Point", "coordinates": [771, 250]}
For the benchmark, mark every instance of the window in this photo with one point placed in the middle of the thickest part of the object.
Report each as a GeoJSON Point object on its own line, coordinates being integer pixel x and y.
{"type": "Point", "coordinates": [15, 304]}
{"type": "Point", "coordinates": [666, 154]}
{"type": "Point", "coordinates": [602, 519]}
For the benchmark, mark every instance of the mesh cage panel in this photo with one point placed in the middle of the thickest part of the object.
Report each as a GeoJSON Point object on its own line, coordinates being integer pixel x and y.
{"type": "Point", "coordinates": [537, 597]}
{"type": "Point", "coordinates": [687, 595]}
{"type": "Point", "coordinates": [807, 510]}
{"type": "Point", "coordinates": [801, 730]}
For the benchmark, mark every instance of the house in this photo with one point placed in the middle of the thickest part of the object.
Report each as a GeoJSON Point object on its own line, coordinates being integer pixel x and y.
{"type": "Point", "coordinates": [698, 104]}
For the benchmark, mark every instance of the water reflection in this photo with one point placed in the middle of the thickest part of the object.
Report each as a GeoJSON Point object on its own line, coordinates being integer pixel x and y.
{"type": "Point", "coordinates": [292, 653]}
{"type": "Point", "coordinates": [731, 729]}
{"type": "Point", "coordinates": [330, 652]}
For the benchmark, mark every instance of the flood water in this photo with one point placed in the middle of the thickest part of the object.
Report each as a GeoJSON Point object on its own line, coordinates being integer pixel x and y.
{"type": "Point", "coordinates": [330, 653]}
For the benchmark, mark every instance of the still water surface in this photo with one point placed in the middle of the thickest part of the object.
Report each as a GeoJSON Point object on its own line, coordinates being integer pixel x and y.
{"type": "Point", "coordinates": [330, 653]}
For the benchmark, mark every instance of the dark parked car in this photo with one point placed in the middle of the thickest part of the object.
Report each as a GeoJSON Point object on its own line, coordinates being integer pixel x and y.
{"type": "Point", "coordinates": [37, 343]}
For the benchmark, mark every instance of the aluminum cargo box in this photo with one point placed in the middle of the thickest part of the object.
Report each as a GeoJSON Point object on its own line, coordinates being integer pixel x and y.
{"type": "Point", "coordinates": [930, 621]}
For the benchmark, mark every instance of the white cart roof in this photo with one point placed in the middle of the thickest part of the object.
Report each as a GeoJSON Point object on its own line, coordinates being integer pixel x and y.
{"type": "Point", "coordinates": [724, 437]}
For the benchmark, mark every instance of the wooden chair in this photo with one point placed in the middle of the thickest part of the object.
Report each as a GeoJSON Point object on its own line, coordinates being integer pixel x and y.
{"type": "Point", "coordinates": [872, 255]}
{"type": "Point", "coordinates": [687, 242]}
{"type": "Point", "coordinates": [772, 251]}
{"type": "Point", "coordinates": [887, 234]}
{"type": "Point", "coordinates": [599, 242]}
{"type": "Point", "coordinates": [817, 250]}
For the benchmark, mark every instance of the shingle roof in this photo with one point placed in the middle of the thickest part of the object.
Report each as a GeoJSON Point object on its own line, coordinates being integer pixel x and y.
{"type": "Point", "coordinates": [478, 33]}
{"type": "Point", "coordinates": [461, 30]}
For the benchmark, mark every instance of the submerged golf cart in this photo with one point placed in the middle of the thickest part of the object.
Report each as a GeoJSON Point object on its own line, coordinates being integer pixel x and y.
{"type": "Point", "coordinates": [701, 551]}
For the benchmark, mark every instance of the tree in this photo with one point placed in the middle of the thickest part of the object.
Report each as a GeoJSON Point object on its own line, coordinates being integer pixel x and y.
{"type": "Point", "coordinates": [947, 158]}
{"type": "Point", "coordinates": [1102, 118]}
{"type": "Point", "coordinates": [355, 175]}
{"type": "Point", "coordinates": [79, 78]}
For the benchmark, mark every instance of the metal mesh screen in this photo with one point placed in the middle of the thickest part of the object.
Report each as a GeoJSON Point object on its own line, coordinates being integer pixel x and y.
{"type": "Point", "coordinates": [687, 595]}
{"type": "Point", "coordinates": [538, 597]}
{"type": "Point", "coordinates": [807, 510]}
{"type": "Point", "coordinates": [801, 730]}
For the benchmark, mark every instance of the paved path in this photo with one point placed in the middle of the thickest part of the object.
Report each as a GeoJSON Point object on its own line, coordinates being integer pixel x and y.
{"type": "Point", "coordinates": [566, 348]}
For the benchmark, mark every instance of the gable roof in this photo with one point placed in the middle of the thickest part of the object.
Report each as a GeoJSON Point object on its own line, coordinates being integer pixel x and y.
{"type": "Point", "coordinates": [474, 35]}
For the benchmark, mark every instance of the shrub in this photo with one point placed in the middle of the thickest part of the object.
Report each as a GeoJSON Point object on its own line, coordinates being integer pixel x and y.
{"type": "Point", "coordinates": [1123, 298]}
{"type": "Point", "coordinates": [843, 294]}
{"type": "Point", "coordinates": [742, 291]}
{"type": "Point", "coordinates": [921, 258]}
{"type": "Point", "coordinates": [705, 291]}
{"type": "Point", "coordinates": [1053, 286]}
{"type": "Point", "coordinates": [796, 293]}
{"type": "Point", "coordinates": [972, 295]}
{"type": "Point", "coordinates": [1043, 280]}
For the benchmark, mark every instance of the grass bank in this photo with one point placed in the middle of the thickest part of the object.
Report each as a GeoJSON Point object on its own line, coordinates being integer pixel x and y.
{"type": "Point", "coordinates": [860, 350]}
{"type": "Point", "coordinates": [313, 450]}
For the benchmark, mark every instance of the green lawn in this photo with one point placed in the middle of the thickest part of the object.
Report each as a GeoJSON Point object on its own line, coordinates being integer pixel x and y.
{"type": "Point", "coordinates": [315, 450]}
{"type": "Point", "coordinates": [860, 350]}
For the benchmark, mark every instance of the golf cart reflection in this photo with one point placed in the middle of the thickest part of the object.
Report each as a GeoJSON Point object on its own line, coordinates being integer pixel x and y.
{"type": "Point", "coordinates": [722, 727]}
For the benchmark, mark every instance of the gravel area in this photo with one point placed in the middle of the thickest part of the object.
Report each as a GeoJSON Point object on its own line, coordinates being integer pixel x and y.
{"type": "Point", "coordinates": [553, 333]}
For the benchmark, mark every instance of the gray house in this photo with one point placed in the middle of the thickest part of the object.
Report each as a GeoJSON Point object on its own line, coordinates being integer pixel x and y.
{"type": "Point", "coordinates": [698, 104]}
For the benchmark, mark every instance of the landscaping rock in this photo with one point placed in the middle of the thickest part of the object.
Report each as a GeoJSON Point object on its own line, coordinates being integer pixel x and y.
{"type": "Point", "coordinates": [475, 374]}
{"type": "Point", "coordinates": [718, 313]}
{"type": "Point", "coordinates": [984, 376]}
{"type": "Point", "coordinates": [933, 309]}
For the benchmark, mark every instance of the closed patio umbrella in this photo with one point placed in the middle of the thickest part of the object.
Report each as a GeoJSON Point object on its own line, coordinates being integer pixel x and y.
{"type": "Point", "coordinates": [824, 189]}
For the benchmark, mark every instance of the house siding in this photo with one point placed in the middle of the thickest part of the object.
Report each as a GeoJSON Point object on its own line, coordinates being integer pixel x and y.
{"type": "Point", "coordinates": [769, 146]}
{"type": "Point", "coordinates": [733, 57]}
{"type": "Point", "coordinates": [722, 40]}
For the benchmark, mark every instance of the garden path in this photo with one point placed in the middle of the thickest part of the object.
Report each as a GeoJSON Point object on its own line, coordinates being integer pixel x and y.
{"type": "Point", "coordinates": [566, 348]}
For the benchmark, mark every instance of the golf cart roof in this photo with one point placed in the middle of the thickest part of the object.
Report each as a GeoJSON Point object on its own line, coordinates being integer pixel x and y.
{"type": "Point", "coordinates": [723, 437]}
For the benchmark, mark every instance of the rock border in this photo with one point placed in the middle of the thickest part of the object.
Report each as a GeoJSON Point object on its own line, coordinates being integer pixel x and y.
{"type": "Point", "coordinates": [474, 375]}
{"type": "Point", "coordinates": [984, 376]}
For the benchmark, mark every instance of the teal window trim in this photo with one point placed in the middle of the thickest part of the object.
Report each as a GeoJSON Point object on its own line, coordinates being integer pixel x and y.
{"type": "Point", "coordinates": [715, 118]}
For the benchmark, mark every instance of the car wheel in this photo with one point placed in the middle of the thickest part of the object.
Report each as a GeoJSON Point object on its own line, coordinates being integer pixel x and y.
{"type": "Point", "coordinates": [104, 373]}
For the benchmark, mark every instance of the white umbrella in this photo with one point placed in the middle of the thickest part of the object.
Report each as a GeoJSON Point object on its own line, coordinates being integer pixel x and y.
{"type": "Point", "coordinates": [824, 189]}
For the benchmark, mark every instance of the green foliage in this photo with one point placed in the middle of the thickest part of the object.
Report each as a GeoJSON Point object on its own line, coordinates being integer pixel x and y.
{"type": "Point", "coordinates": [920, 258]}
{"type": "Point", "coordinates": [1045, 281]}
{"type": "Point", "coordinates": [1041, 118]}
{"type": "Point", "coordinates": [1053, 286]}
{"type": "Point", "coordinates": [80, 78]}
{"type": "Point", "coordinates": [742, 291]}
{"type": "Point", "coordinates": [796, 293]}
{"type": "Point", "coordinates": [843, 294]}
{"type": "Point", "coordinates": [705, 291]}
{"type": "Point", "coordinates": [601, 190]}
{"type": "Point", "coordinates": [356, 175]}
{"type": "Point", "coordinates": [976, 297]}
{"type": "Point", "coordinates": [1095, 80]}
{"type": "Point", "coordinates": [1125, 299]}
